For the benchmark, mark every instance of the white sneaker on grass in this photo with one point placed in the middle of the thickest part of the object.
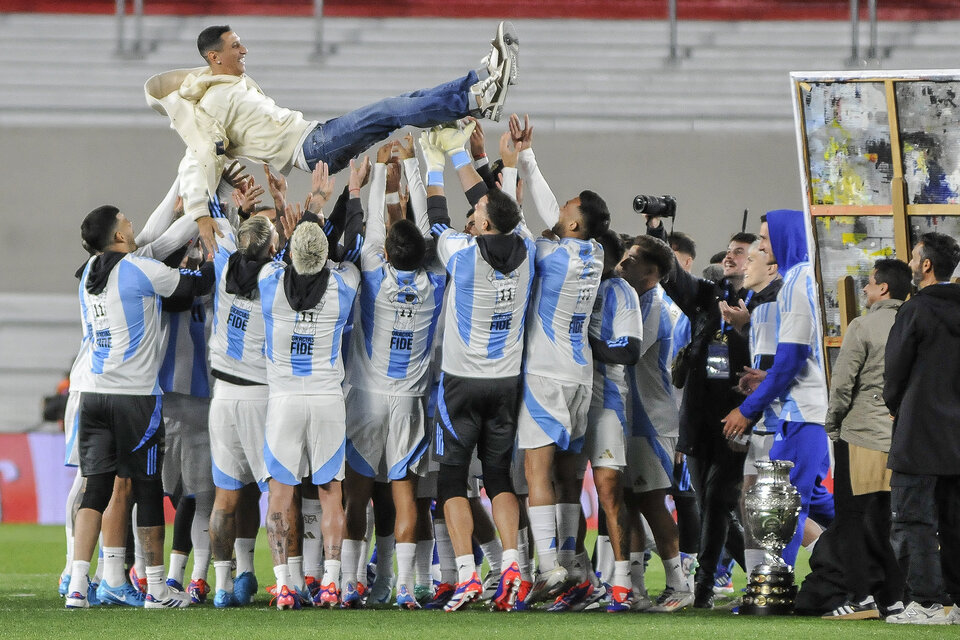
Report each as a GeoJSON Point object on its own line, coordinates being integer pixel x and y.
{"type": "Point", "coordinates": [915, 613]}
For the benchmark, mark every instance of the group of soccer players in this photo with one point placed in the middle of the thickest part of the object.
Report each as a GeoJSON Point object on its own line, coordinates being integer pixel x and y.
{"type": "Point", "coordinates": [330, 355]}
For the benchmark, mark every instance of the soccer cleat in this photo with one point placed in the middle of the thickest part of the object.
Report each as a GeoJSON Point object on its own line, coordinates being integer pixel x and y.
{"type": "Point", "coordinates": [504, 597]}
{"type": "Point", "coordinates": [224, 599]}
{"type": "Point", "coordinates": [689, 566]}
{"type": "Point", "coordinates": [138, 583]}
{"type": "Point", "coordinates": [723, 584]}
{"type": "Point", "coordinates": [671, 600]}
{"type": "Point", "coordinates": [125, 595]}
{"type": "Point", "coordinates": [405, 599]}
{"type": "Point", "coordinates": [441, 597]}
{"type": "Point", "coordinates": [271, 589]}
{"type": "Point", "coordinates": [866, 609]}
{"type": "Point", "coordinates": [244, 587]}
{"type": "Point", "coordinates": [198, 591]}
{"type": "Point", "coordinates": [640, 601]}
{"type": "Point", "coordinates": [352, 597]}
{"type": "Point", "coordinates": [549, 584]}
{"type": "Point", "coordinates": [329, 596]}
{"type": "Point", "coordinates": [465, 593]}
{"type": "Point", "coordinates": [490, 584]}
{"type": "Point", "coordinates": [600, 593]}
{"type": "Point", "coordinates": [382, 589]}
{"type": "Point", "coordinates": [703, 598]}
{"type": "Point", "coordinates": [423, 593]}
{"type": "Point", "coordinates": [287, 600]}
{"type": "Point", "coordinates": [77, 599]}
{"type": "Point", "coordinates": [954, 616]}
{"type": "Point", "coordinates": [506, 44]}
{"type": "Point", "coordinates": [313, 586]}
{"type": "Point", "coordinates": [172, 600]}
{"type": "Point", "coordinates": [619, 600]}
{"type": "Point", "coordinates": [522, 594]}
{"type": "Point", "coordinates": [571, 596]}
{"type": "Point", "coordinates": [173, 584]}
{"type": "Point", "coordinates": [92, 596]}
{"type": "Point", "coordinates": [915, 613]}
{"type": "Point", "coordinates": [64, 585]}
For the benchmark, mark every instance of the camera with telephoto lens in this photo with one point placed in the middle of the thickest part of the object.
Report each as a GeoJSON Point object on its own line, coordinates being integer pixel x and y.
{"type": "Point", "coordinates": [659, 206]}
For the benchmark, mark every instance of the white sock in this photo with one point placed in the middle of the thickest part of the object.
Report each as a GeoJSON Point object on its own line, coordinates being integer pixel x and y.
{"type": "Point", "coordinates": [543, 525]}
{"type": "Point", "coordinates": [139, 560]}
{"type": "Point", "coordinates": [605, 558]}
{"type": "Point", "coordinates": [312, 538]}
{"type": "Point", "coordinates": [621, 574]}
{"type": "Point", "coordinates": [349, 552]}
{"type": "Point", "coordinates": [295, 567]}
{"type": "Point", "coordinates": [385, 550]}
{"type": "Point", "coordinates": [674, 570]}
{"type": "Point", "coordinates": [156, 586]}
{"type": "Point", "coordinates": [178, 564]}
{"type": "Point", "coordinates": [523, 550]}
{"type": "Point", "coordinates": [582, 569]}
{"type": "Point", "coordinates": [79, 579]}
{"type": "Point", "coordinates": [244, 548]}
{"type": "Point", "coordinates": [509, 556]}
{"type": "Point", "coordinates": [493, 552]}
{"type": "Point", "coordinates": [362, 558]}
{"type": "Point", "coordinates": [200, 535]}
{"type": "Point", "coordinates": [331, 572]}
{"type": "Point", "coordinates": [201, 564]}
{"type": "Point", "coordinates": [406, 558]}
{"type": "Point", "coordinates": [113, 565]}
{"type": "Point", "coordinates": [752, 558]}
{"type": "Point", "coordinates": [637, 571]}
{"type": "Point", "coordinates": [809, 547]}
{"type": "Point", "coordinates": [223, 569]}
{"type": "Point", "coordinates": [568, 521]}
{"type": "Point", "coordinates": [69, 555]}
{"type": "Point", "coordinates": [282, 573]}
{"type": "Point", "coordinates": [448, 564]}
{"type": "Point", "coordinates": [73, 500]}
{"type": "Point", "coordinates": [423, 562]}
{"type": "Point", "coordinates": [465, 568]}
{"type": "Point", "coordinates": [98, 574]}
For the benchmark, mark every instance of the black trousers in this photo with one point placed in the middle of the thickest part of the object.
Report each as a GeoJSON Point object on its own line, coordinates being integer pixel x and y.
{"type": "Point", "coordinates": [717, 477]}
{"type": "Point", "coordinates": [925, 534]}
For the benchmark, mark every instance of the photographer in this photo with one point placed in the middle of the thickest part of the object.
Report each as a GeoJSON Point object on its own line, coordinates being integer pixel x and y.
{"type": "Point", "coordinates": [708, 370]}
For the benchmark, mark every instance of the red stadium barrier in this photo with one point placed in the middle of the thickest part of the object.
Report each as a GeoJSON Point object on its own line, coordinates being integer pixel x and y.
{"type": "Point", "coordinates": [592, 9]}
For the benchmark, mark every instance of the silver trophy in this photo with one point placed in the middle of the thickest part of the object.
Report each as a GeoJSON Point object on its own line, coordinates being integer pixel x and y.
{"type": "Point", "coordinates": [772, 507]}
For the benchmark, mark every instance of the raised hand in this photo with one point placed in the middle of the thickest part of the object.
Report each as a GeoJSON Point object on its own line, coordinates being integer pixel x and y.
{"type": "Point", "coordinates": [277, 185]}
{"type": "Point", "coordinates": [453, 139]}
{"type": "Point", "coordinates": [522, 134]}
{"type": "Point", "coordinates": [358, 173]}
{"type": "Point", "coordinates": [477, 149]}
{"type": "Point", "coordinates": [209, 231]}
{"type": "Point", "coordinates": [234, 174]}
{"type": "Point", "coordinates": [321, 186]}
{"type": "Point", "coordinates": [248, 197]}
{"type": "Point", "coordinates": [432, 153]}
{"type": "Point", "coordinates": [508, 150]}
{"type": "Point", "coordinates": [289, 219]}
{"type": "Point", "coordinates": [384, 152]}
{"type": "Point", "coordinates": [404, 147]}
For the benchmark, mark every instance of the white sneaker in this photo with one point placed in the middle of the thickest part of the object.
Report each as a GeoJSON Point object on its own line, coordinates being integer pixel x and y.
{"type": "Point", "coordinates": [954, 616]}
{"type": "Point", "coordinates": [918, 614]}
{"type": "Point", "coordinates": [485, 97]}
{"type": "Point", "coordinates": [490, 584]}
{"type": "Point", "coordinates": [548, 585]}
{"type": "Point", "coordinates": [671, 600]}
{"type": "Point", "coordinates": [641, 601]}
{"type": "Point", "coordinates": [78, 599]}
{"type": "Point", "coordinates": [167, 599]}
{"type": "Point", "coordinates": [507, 45]}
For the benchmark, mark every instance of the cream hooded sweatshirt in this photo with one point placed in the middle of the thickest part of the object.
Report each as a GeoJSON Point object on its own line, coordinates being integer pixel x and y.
{"type": "Point", "coordinates": [220, 117]}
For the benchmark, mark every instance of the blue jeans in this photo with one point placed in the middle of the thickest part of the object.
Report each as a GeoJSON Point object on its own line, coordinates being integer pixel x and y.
{"type": "Point", "coordinates": [805, 445]}
{"type": "Point", "coordinates": [339, 140]}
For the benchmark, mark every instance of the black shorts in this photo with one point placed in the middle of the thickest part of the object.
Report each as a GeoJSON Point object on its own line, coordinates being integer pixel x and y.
{"type": "Point", "coordinates": [120, 434]}
{"type": "Point", "coordinates": [476, 412]}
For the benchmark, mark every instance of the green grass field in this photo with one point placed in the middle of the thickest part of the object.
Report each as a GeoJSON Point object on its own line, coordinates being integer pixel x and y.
{"type": "Point", "coordinates": [31, 558]}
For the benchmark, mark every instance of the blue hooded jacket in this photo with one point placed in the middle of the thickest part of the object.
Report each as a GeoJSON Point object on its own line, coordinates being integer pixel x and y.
{"type": "Point", "coordinates": [788, 239]}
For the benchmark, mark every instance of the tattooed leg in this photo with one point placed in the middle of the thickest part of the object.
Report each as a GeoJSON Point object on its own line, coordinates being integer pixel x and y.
{"type": "Point", "coordinates": [332, 520]}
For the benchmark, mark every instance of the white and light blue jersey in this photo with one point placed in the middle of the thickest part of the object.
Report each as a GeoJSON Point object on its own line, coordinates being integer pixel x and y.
{"type": "Point", "coordinates": [806, 397]}
{"type": "Point", "coordinates": [564, 290]}
{"type": "Point", "coordinates": [236, 344]}
{"type": "Point", "coordinates": [397, 317]}
{"type": "Point", "coordinates": [485, 309]}
{"type": "Point", "coordinates": [615, 319]}
{"type": "Point", "coordinates": [185, 334]}
{"type": "Point", "coordinates": [764, 320]}
{"type": "Point", "coordinates": [303, 348]}
{"type": "Point", "coordinates": [653, 408]}
{"type": "Point", "coordinates": [123, 321]}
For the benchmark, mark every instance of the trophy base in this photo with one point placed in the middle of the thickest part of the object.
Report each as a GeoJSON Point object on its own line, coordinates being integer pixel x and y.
{"type": "Point", "coordinates": [770, 592]}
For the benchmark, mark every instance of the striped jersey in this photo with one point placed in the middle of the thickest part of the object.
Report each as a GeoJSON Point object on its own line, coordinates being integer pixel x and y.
{"type": "Point", "coordinates": [185, 334]}
{"type": "Point", "coordinates": [124, 324]}
{"type": "Point", "coordinates": [398, 312]}
{"type": "Point", "coordinates": [652, 403]}
{"type": "Point", "coordinates": [568, 276]}
{"type": "Point", "coordinates": [485, 309]}
{"type": "Point", "coordinates": [303, 348]}
{"type": "Point", "coordinates": [236, 344]}
{"type": "Point", "coordinates": [806, 398]}
{"type": "Point", "coordinates": [763, 342]}
{"type": "Point", "coordinates": [615, 318]}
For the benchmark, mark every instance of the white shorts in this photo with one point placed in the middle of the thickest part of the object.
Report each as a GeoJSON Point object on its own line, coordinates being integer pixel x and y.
{"type": "Point", "coordinates": [306, 438]}
{"type": "Point", "coordinates": [71, 427]}
{"type": "Point", "coordinates": [186, 457]}
{"type": "Point", "coordinates": [238, 424]}
{"type": "Point", "coordinates": [385, 434]}
{"type": "Point", "coordinates": [649, 463]}
{"type": "Point", "coordinates": [553, 412]}
{"type": "Point", "coordinates": [604, 444]}
{"type": "Point", "coordinates": [757, 449]}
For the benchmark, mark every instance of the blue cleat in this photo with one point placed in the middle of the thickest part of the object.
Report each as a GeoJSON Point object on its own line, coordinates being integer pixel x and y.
{"type": "Point", "coordinates": [224, 599]}
{"type": "Point", "coordinates": [125, 595]}
{"type": "Point", "coordinates": [244, 587]}
{"type": "Point", "coordinates": [173, 584]}
{"type": "Point", "coordinates": [351, 598]}
{"type": "Point", "coordinates": [405, 599]}
{"type": "Point", "coordinates": [64, 585]}
{"type": "Point", "coordinates": [92, 594]}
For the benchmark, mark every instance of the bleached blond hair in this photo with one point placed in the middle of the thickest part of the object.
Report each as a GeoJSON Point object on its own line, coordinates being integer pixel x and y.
{"type": "Point", "coordinates": [308, 248]}
{"type": "Point", "coordinates": [254, 236]}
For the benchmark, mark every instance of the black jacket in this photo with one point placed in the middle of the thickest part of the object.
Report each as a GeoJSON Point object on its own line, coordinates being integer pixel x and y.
{"type": "Point", "coordinates": [922, 383]}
